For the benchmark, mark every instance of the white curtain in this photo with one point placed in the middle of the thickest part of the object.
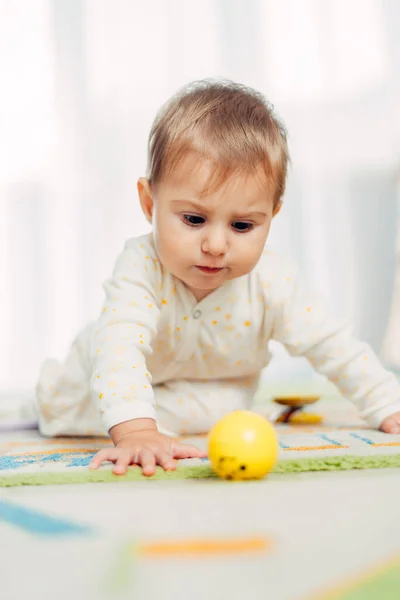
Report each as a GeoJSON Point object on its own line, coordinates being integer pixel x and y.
{"type": "Point", "coordinates": [80, 84]}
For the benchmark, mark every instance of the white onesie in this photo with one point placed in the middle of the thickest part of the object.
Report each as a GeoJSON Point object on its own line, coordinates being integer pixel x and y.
{"type": "Point", "coordinates": [157, 352]}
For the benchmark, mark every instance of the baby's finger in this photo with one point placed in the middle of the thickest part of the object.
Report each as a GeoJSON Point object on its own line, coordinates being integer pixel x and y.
{"type": "Point", "coordinates": [148, 461]}
{"type": "Point", "coordinates": [110, 454]}
{"type": "Point", "coordinates": [187, 451]}
{"type": "Point", "coordinates": [166, 461]}
{"type": "Point", "coordinates": [122, 462]}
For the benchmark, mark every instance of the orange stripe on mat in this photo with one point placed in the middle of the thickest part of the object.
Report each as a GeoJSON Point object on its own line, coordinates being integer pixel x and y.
{"type": "Point", "coordinates": [204, 547]}
{"type": "Point", "coordinates": [304, 448]}
{"type": "Point", "coordinates": [57, 441]}
{"type": "Point", "coordinates": [58, 451]}
{"type": "Point", "coordinates": [387, 444]}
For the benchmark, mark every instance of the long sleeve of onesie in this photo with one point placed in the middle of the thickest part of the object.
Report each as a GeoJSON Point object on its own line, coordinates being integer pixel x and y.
{"type": "Point", "coordinates": [305, 328]}
{"type": "Point", "coordinates": [120, 382]}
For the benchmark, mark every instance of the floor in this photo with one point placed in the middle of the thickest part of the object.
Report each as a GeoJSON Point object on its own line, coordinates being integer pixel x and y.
{"type": "Point", "coordinates": [320, 528]}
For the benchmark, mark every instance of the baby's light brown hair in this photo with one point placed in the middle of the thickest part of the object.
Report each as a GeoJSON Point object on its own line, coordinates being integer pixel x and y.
{"type": "Point", "coordinates": [227, 122]}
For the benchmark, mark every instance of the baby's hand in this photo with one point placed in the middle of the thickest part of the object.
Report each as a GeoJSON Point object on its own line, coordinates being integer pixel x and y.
{"type": "Point", "coordinates": [148, 449]}
{"type": "Point", "coordinates": [391, 424]}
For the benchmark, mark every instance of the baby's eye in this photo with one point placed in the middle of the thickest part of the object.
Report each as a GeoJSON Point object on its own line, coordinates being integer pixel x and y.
{"type": "Point", "coordinates": [242, 226]}
{"type": "Point", "coordinates": [193, 220]}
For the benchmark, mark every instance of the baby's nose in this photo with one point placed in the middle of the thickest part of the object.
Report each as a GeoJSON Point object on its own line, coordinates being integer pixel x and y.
{"type": "Point", "coordinates": [216, 242]}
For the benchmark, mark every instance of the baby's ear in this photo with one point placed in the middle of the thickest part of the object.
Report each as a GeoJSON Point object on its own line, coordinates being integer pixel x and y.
{"type": "Point", "coordinates": [146, 198]}
{"type": "Point", "coordinates": [277, 208]}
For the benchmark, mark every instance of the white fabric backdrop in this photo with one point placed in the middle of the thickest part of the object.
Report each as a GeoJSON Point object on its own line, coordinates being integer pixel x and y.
{"type": "Point", "coordinates": [80, 84]}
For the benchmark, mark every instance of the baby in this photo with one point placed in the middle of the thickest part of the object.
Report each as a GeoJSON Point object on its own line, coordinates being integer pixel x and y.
{"type": "Point", "coordinates": [190, 308]}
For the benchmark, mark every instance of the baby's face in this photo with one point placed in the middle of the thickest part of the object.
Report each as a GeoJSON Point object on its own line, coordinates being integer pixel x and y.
{"type": "Point", "coordinates": [205, 240]}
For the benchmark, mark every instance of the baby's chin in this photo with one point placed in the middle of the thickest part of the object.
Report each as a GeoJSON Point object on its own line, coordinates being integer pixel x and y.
{"type": "Point", "coordinates": [199, 289]}
{"type": "Point", "coordinates": [202, 285]}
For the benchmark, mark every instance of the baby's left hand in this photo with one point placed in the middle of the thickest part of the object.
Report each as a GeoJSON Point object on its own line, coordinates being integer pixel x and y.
{"type": "Point", "coordinates": [391, 424]}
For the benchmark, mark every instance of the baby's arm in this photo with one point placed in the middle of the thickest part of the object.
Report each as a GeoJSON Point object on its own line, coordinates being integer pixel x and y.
{"type": "Point", "coordinates": [120, 382]}
{"type": "Point", "coordinates": [305, 328]}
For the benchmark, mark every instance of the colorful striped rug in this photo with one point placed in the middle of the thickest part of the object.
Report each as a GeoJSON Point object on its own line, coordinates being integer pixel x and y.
{"type": "Point", "coordinates": [26, 458]}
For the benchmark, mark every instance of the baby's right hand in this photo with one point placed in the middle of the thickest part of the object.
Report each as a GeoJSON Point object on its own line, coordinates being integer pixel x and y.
{"type": "Point", "coordinates": [147, 448]}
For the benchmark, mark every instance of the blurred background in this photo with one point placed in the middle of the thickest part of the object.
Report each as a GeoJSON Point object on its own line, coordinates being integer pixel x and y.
{"type": "Point", "coordinates": [81, 81]}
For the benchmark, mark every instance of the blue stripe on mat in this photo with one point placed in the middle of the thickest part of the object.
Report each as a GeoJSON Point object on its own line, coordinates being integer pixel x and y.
{"type": "Point", "coordinates": [39, 523]}
{"type": "Point", "coordinates": [328, 439]}
{"type": "Point", "coordinates": [362, 438]}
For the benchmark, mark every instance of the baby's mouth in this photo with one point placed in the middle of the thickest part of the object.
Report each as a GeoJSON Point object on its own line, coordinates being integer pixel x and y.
{"type": "Point", "coordinates": [209, 270]}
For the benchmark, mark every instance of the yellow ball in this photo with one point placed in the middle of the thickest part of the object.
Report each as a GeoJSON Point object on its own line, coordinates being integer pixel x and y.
{"type": "Point", "coordinates": [242, 445]}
